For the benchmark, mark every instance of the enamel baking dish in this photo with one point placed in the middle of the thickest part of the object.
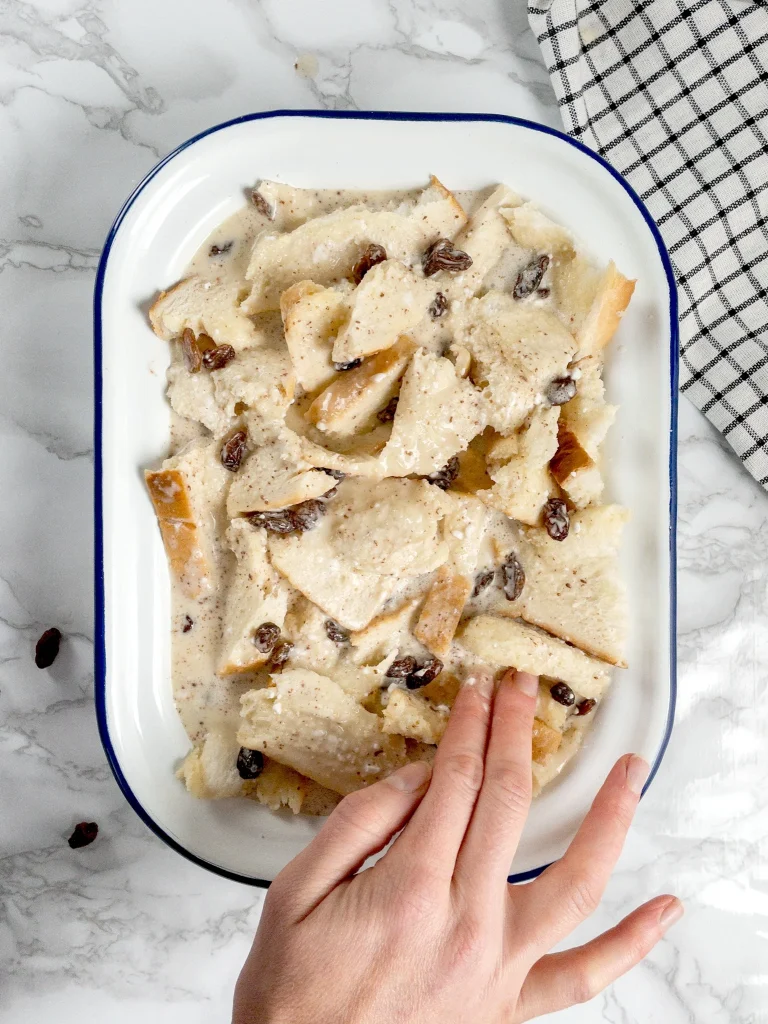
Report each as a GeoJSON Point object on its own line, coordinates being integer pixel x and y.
{"type": "Point", "coordinates": [156, 233]}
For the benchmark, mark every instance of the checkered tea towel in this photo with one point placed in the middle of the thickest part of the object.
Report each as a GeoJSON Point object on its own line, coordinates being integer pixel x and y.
{"type": "Point", "coordinates": [674, 94]}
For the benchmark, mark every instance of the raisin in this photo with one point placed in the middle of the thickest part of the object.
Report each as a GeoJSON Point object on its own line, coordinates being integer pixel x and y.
{"type": "Point", "coordinates": [402, 668]}
{"type": "Point", "coordinates": [233, 450]}
{"type": "Point", "coordinates": [250, 763]}
{"type": "Point", "coordinates": [307, 514]}
{"type": "Point", "coordinates": [585, 706]}
{"type": "Point", "coordinates": [261, 204]}
{"type": "Point", "coordinates": [219, 250]}
{"type": "Point", "coordinates": [335, 473]}
{"type": "Point", "coordinates": [483, 581]}
{"type": "Point", "coordinates": [387, 414]}
{"type": "Point", "coordinates": [343, 367]}
{"type": "Point", "coordinates": [444, 477]}
{"type": "Point", "coordinates": [47, 648]}
{"type": "Point", "coordinates": [217, 358]}
{"type": "Point", "coordinates": [280, 654]}
{"type": "Point", "coordinates": [561, 390]}
{"type": "Point", "coordinates": [556, 518]}
{"type": "Point", "coordinates": [190, 350]}
{"type": "Point", "coordinates": [335, 632]}
{"type": "Point", "coordinates": [513, 576]}
{"type": "Point", "coordinates": [529, 278]}
{"type": "Point", "coordinates": [266, 636]}
{"type": "Point", "coordinates": [188, 624]}
{"type": "Point", "coordinates": [205, 342]}
{"type": "Point", "coordinates": [372, 255]}
{"type": "Point", "coordinates": [430, 670]}
{"type": "Point", "coordinates": [438, 306]}
{"type": "Point", "coordinates": [280, 521]}
{"type": "Point", "coordinates": [83, 835]}
{"type": "Point", "coordinates": [543, 293]}
{"type": "Point", "coordinates": [442, 255]}
{"type": "Point", "coordinates": [563, 694]}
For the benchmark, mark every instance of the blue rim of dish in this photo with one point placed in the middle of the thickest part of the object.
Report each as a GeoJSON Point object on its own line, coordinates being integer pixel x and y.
{"type": "Point", "coordinates": [100, 659]}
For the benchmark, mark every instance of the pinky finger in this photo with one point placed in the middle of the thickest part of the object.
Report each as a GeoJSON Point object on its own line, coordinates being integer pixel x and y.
{"type": "Point", "coordinates": [560, 980]}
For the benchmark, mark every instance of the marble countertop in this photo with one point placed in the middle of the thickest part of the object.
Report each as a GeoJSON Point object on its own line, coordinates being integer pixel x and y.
{"type": "Point", "coordinates": [92, 93]}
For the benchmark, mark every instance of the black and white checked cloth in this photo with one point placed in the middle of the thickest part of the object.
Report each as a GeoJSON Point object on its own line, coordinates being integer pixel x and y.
{"type": "Point", "coordinates": [674, 94]}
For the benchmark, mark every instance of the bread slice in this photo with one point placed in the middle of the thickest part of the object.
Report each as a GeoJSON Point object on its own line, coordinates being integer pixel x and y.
{"type": "Point", "coordinates": [437, 416]}
{"type": "Point", "coordinates": [485, 238]}
{"type": "Point", "coordinates": [388, 303]}
{"type": "Point", "coordinates": [545, 741]}
{"type": "Point", "coordinates": [521, 477]}
{"type": "Point", "coordinates": [278, 786]}
{"type": "Point", "coordinates": [517, 350]}
{"type": "Point", "coordinates": [210, 771]}
{"type": "Point", "coordinates": [383, 635]}
{"type": "Point", "coordinates": [269, 478]}
{"type": "Point", "coordinates": [307, 722]}
{"type": "Point", "coordinates": [326, 248]}
{"type": "Point", "coordinates": [209, 307]}
{"type": "Point", "coordinates": [256, 595]}
{"type": "Point", "coordinates": [408, 714]}
{"type": "Point", "coordinates": [507, 643]}
{"type": "Point", "coordinates": [587, 416]}
{"type": "Point", "coordinates": [312, 317]}
{"type": "Point", "coordinates": [193, 396]}
{"type": "Point", "coordinates": [573, 588]}
{"type": "Point", "coordinates": [608, 306]}
{"type": "Point", "coordinates": [349, 404]}
{"type": "Point", "coordinates": [260, 383]}
{"type": "Point", "coordinates": [188, 495]}
{"type": "Point", "coordinates": [348, 596]}
{"type": "Point", "coordinates": [532, 229]}
{"type": "Point", "coordinates": [575, 471]}
{"type": "Point", "coordinates": [305, 627]}
{"type": "Point", "coordinates": [442, 611]}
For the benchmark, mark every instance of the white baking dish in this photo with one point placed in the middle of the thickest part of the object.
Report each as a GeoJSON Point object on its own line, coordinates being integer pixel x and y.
{"type": "Point", "coordinates": [159, 228]}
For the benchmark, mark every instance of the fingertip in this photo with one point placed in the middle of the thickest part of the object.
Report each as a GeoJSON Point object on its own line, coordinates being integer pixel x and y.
{"type": "Point", "coordinates": [480, 679]}
{"type": "Point", "coordinates": [671, 912]}
{"type": "Point", "coordinates": [637, 772]}
{"type": "Point", "coordinates": [410, 778]}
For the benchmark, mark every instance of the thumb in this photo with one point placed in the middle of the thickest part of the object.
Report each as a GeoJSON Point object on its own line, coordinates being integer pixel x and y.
{"type": "Point", "coordinates": [361, 825]}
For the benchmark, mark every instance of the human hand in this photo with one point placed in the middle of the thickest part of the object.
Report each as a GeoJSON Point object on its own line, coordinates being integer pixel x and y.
{"type": "Point", "coordinates": [433, 932]}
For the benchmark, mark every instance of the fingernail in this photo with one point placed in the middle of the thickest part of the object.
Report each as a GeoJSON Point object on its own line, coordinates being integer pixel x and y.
{"type": "Point", "coordinates": [671, 913]}
{"type": "Point", "coordinates": [527, 684]}
{"type": "Point", "coordinates": [638, 770]}
{"type": "Point", "coordinates": [410, 778]}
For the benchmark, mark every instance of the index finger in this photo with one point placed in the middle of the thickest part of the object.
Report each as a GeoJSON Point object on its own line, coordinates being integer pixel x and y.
{"type": "Point", "coordinates": [436, 830]}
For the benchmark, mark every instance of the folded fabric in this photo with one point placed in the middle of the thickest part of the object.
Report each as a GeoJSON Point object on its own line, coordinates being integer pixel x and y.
{"type": "Point", "coordinates": [674, 94]}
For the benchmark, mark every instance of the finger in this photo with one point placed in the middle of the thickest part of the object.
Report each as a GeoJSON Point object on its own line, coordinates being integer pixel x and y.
{"type": "Point", "coordinates": [505, 798]}
{"type": "Point", "coordinates": [571, 888]}
{"type": "Point", "coordinates": [560, 980]}
{"type": "Point", "coordinates": [360, 826]}
{"type": "Point", "coordinates": [435, 832]}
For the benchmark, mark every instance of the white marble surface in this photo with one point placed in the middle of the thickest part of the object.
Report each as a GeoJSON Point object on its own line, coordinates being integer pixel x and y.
{"type": "Point", "coordinates": [92, 92]}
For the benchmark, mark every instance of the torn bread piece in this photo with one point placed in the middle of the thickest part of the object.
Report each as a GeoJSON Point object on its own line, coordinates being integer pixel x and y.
{"type": "Point", "coordinates": [443, 690]}
{"type": "Point", "coordinates": [575, 471]}
{"type": "Point", "coordinates": [270, 478]}
{"type": "Point", "coordinates": [517, 350]}
{"type": "Point", "coordinates": [485, 238]}
{"type": "Point", "coordinates": [408, 714]}
{"type": "Point", "coordinates": [188, 495]}
{"type": "Point", "coordinates": [532, 229]}
{"type": "Point", "coordinates": [206, 307]}
{"type": "Point", "coordinates": [306, 721]}
{"type": "Point", "coordinates": [326, 248]}
{"type": "Point", "coordinates": [312, 318]}
{"type": "Point", "coordinates": [305, 627]}
{"type": "Point", "coordinates": [260, 384]}
{"type": "Point", "coordinates": [391, 527]}
{"type": "Point", "coordinates": [608, 306]}
{"type": "Point", "coordinates": [546, 741]}
{"type": "Point", "coordinates": [588, 416]}
{"type": "Point", "coordinates": [465, 523]}
{"type": "Point", "coordinates": [347, 595]}
{"type": "Point", "coordinates": [382, 636]}
{"type": "Point", "coordinates": [349, 404]}
{"type": "Point", "coordinates": [278, 786]}
{"type": "Point", "coordinates": [519, 467]}
{"type": "Point", "coordinates": [437, 416]}
{"type": "Point", "coordinates": [210, 771]}
{"type": "Point", "coordinates": [506, 642]}
{"type": "Point", "coordinates": [389, 302]}
{"type": "Point", "coordinates": [193, 396]}
{"type": "Point", "coordinates": [573, 587]}
{"type": "Point", "coordinates": [256, 595]}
